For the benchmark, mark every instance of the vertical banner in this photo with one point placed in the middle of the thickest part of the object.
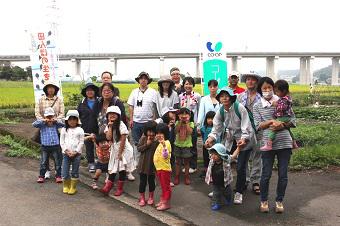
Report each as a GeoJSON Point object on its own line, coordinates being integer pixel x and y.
{"type": "Point", "coordinates": [214, 65]}
{"type": "Point", "coordinates": [44, 62]}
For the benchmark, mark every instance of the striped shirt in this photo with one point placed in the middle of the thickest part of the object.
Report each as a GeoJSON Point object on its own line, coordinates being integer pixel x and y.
{"type": "Point", "coordinates": [48, 134]}
{"type": "Point", "coordinates": [45, 102]}
{"type": "Point", "coordinates": [283, 139]}
{"type": "Point", "coordinates": [142, 112]}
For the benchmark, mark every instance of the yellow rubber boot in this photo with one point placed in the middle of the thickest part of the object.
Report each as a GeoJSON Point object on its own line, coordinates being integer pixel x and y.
{"type": "Point", "coordinates": [66, 185]}
{"type": "Point", "coordinates": [73, 187]}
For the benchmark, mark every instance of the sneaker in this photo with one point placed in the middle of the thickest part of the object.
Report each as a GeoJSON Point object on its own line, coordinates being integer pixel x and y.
{"type": "Point", "coordinates": [58, 180]}
{"type": "Point", "coordinates": [191, 170]}
{"type": "Point", "coordinates": [264, 208]}
{"type": "Point", "coordinates": [210, 194]}
{"type": "Point", "coordinates": [48, 174]}
{"type": "Point", "coordinates": [92, 168]}
{"type": "Point", "coordinates": [215, 207]}
{"type": "Point", "coordinates": [172, 184]}
{"type": "Point", "coordinates": [279, 207]}
{"type": "Point", "coordinates": [40, 180]}
{"type": "Point", "coordinates": [183, 170]}
{"type": "Point", "coordinates": [238, 198]}
{"type": "Point", "coordinates": [130, 177]}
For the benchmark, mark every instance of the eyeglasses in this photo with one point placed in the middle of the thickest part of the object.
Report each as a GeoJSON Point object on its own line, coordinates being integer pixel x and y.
{"type": "Point", "coordinates": [107, 91]}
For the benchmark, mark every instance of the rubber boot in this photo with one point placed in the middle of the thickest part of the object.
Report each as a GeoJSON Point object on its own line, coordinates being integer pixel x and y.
{"type": "Point", "coordinates": [107, 187]}
{"type": "Point", "coordinates": [66, 186]}
{"type": "Point", "coordinates": [178, 171]}
{"type": "Point", "coordinates": [159, 203]}
{"type": "Point", "coordinates": [187, 179]}
{"type": "Point", "coordinates": [150, 200]}
{"type": "Point", "coordinates": [119, 190]}
{"type": "Point", "coordinates": [141, 199]}
{"type": "Point", "coordinates": [164, 205]}
{"type": "Point", "coordinates": [73, 186]}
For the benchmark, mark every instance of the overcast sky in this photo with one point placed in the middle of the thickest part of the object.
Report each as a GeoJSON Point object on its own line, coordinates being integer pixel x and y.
{"type": "Point", "coordinates": [177, 25]}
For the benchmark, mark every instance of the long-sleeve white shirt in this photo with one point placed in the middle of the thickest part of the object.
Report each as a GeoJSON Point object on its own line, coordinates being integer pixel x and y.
{"type": "Point", "coordinates": [72, 139]}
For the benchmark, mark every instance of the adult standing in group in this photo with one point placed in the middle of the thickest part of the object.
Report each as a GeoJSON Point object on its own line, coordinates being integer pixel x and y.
{"type": "Point", "coordinates": [106, 100]}
{"type": "Point", "coordinates": [191, 100]}
{"type": "Point", "coordinates": [107, 78]}
{"type": "Point", "coordinates": [281, 148]}
{"type": "Point", "coordinates": [141, 108]}
{"type": "Point", "coordinates": [50, 99]}
{"type": "Point", "coordinates": [248, 99]}
{"type": "Point", "coordinates": [176, 78]}
{"type": "Point", "coordinates": [166, 97]}
{"type": "Point", "coordinates": [232, 123]}
{"type": "Point", "coordinates": [88, 118]}
{"type": "Point", "coordinates": [233, 80]}
{"type": "Point", "coordinates": [208, 103]}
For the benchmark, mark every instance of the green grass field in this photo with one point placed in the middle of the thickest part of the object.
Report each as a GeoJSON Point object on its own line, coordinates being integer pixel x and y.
{"type": "Point", "coordinates": [20, 94]}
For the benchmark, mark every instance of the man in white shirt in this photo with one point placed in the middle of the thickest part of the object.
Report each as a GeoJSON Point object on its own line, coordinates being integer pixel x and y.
{"type": "Point", "coordinates": [141, 107]}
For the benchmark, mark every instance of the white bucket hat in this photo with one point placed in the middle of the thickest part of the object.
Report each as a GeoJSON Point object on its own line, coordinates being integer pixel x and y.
{"type": "Point", "coordinates": [113, 109]}
{"type": "Point", "coordinates": [73, 113]}
{"type": "Point", "coordinates": [49, 111]}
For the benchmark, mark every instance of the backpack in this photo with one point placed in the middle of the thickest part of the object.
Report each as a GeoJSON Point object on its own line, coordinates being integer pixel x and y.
{"type": "Point", "coordinates": [237, 111]}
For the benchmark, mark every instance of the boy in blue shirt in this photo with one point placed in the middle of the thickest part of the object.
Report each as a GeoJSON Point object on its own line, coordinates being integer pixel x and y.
{"type": "Point", "coordinates": [49, 143]}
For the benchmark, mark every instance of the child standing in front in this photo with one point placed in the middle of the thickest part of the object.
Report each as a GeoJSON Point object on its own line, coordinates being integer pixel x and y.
{"type": "Point", "coordinates": [283, 112]}
{"type": "Point", "coordinates": [71, 142]}
{"type": "Point", "coordinates": [147, 146]}
{"type": "Point", "coordinates": [103, 155]}
{"type": "Point", "coordinates": [161, 160]}
{"type": "Point", "coordinates": [183, 143]}
{"type": "Point", "coordinates": [205, 131]}
{"type": "Point", "coordinates": [121, 153]}
{"type": "Point", "coordinates": [219, 173]}
{"type": "Point", "coordinates": [49, 143]}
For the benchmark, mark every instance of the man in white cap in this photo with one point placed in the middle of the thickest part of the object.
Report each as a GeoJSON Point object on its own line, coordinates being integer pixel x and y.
{"type": "Point", "coordinates": [233, 80]}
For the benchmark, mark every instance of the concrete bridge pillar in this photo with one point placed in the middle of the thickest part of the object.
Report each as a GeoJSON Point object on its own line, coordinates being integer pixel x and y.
{"type": "Point", "coordinates": [76, 68]}
{"type": "Point", "coordinates": [114, 65]}
{"type": "Point", "coordinates": [161, 66]}
{"type": "Point", "coordinates": [271, 68]}
{"type": "Point", "coordinates": [198, 73]}
{"type": "Point", "coordinates": [234, 63]}
{"type": "Point", "coordinates": [306, 70]}
{"type": "Point", "coordinates": [335, 71]}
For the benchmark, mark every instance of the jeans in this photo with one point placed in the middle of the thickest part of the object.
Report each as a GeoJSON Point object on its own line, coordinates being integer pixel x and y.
{"type": "Point", "coordinates": [193, 160]}
{"type": "Point", "coordinates": [254, 169]}
{"type": "Point", "coordinates": [146, 179]}
{"type": "Point", "coordinates": [89, 145]}
{"type": "Point", "coordinates": [220, 192]}
{"type": "Point", "coordinates": [137, 132]}
{"type": "Point", "coordinates": [242, 163]}
{"type": "Point", "coordinates": [46, 151]}
{"type": "Point", "coordinates": [67, 161]}
{"type": "Point", "coordinates": [268, 157]}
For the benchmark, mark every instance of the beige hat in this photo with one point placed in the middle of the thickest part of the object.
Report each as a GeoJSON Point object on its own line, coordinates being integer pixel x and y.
{"type": "Point", "coordinates": [49, 111]}
{"type": "Point", "coordinates": [113, 109]}
{"type": "Point", "coordinates": [73, 113]}
{"type": "Point", "coordinates": [165, 78]}
{"type": "Point", "coordinates": [51, 83]}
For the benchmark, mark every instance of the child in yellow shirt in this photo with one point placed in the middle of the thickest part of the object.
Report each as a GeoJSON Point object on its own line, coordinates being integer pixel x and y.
{"type": "Point", "coordinates": [162, 164]}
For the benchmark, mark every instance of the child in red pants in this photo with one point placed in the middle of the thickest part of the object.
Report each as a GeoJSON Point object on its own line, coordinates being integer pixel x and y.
{"type": "Point", "coordinates": [162, 164]}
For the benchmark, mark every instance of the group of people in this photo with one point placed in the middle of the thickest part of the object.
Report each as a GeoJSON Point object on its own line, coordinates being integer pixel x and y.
{"type": "Point", "coordinates": [235, 125]}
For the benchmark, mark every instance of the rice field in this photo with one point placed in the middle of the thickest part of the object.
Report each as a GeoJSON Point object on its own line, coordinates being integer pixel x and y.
{"type": "Point", "coordinates": [20, 94]}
